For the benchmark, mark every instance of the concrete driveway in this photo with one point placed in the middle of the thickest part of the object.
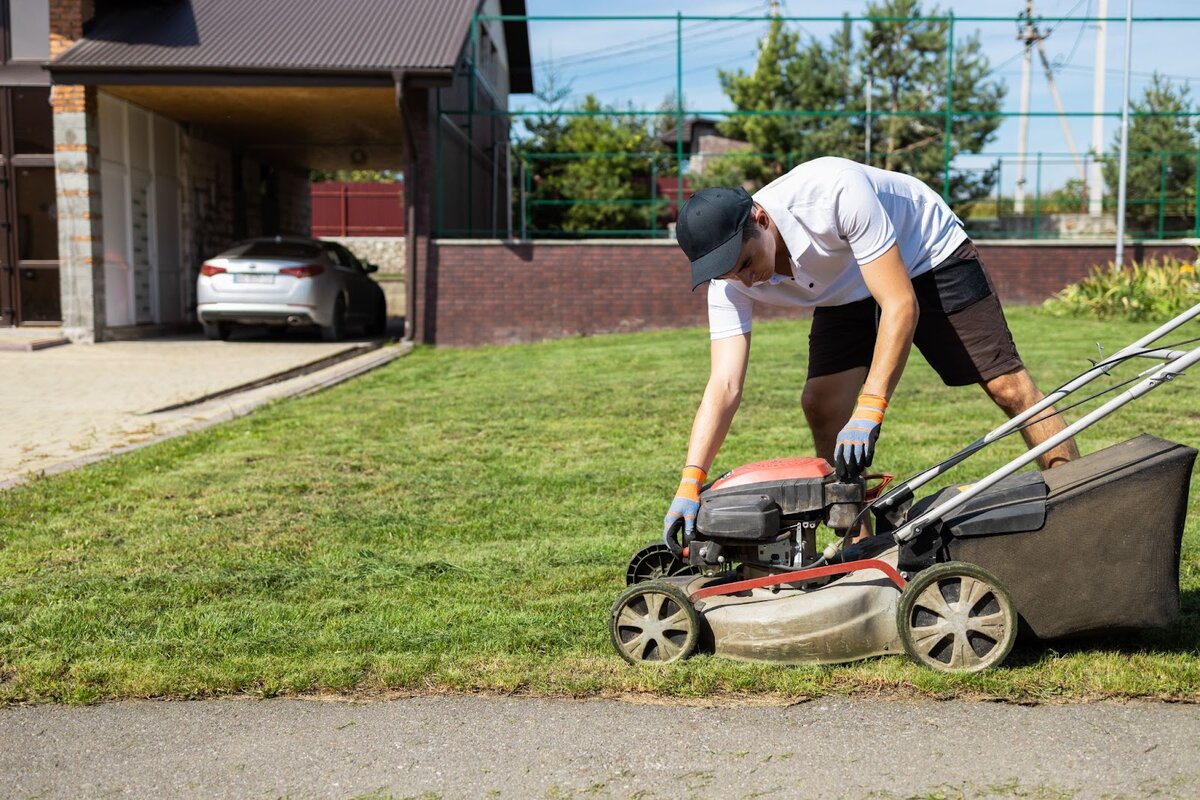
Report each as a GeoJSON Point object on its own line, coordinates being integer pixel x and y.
{"type": "Point", "coordinates": [70, 405]}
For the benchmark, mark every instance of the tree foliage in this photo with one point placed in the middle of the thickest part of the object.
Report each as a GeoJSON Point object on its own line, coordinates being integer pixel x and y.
{"type": "Point", "coordinates": [1162, 161]}
{"type": "Point", "coordinates": [356, 175]}
{"type": "Point", "coordinates": [591, 170]}
{"type": "Point", "coordinates": [903, 62]}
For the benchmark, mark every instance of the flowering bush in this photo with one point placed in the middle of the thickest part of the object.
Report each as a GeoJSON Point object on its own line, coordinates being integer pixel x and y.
{"type": "Point", "coordinates": [1153, 290]}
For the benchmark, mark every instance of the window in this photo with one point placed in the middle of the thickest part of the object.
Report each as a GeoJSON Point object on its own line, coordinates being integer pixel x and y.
{"type": "Point", "coordinates": [296, 250]}
{"type": "Point", "coordinates": [33, 123]}
{"type": "Point", "coordinates": [29, 30]}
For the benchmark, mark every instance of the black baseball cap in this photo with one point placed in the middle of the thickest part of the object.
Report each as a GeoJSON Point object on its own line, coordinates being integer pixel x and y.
{"type": "Point", "coordinates": [710, 231]}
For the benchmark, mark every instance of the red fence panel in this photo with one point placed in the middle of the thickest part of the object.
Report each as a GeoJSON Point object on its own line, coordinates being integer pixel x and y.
{"type": "Point", "coordinates": [357, 209]}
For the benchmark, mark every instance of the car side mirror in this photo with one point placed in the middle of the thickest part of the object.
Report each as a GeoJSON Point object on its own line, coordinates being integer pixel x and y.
{"type": "Point", "coordinates": [369, 267]}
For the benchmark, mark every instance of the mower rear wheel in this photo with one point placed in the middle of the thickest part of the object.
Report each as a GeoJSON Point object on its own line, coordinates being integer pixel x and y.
{"type": "Point", "coordinates": [655, 561]}
{"type": "Point", "coordinates": [654, 622]}
{"type": "Point", "coordinates": [957, 617]}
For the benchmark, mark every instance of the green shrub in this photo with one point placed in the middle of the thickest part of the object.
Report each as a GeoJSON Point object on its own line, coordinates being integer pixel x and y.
{"type": "Point", "coordinates": [1150, 291]}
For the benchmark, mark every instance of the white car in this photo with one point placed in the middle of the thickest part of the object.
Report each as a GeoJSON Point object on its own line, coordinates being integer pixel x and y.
{"type": "Point", "coordinates": [289, 281]}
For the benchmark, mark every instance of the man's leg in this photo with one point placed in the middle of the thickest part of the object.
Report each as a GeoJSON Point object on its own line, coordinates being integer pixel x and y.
{"type": "Point", "coordinates": [828, 402]}
{"type": "Point", "coordinates": [1013, 393]}
{"type": "Point", "coordinates": [840, 347]}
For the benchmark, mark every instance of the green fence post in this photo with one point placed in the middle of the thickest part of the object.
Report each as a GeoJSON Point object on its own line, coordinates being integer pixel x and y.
{"type": "Point", "coordinates": [1162, 191]}
{"type": "Point", "coordinates": [678, 112]}
{"type": "Point", "coordinates": [1196, 199]}
{"type": "Point", "coordinates": [653, 197]}
{"type": "Point", "coordinates": [1037, 200]}
{"type": "Point", "coordinates": [949, 108]}
{"type": "Point", "coordinates": [524, 198]}
{"type": "Point", "coordinates": [999, 196]}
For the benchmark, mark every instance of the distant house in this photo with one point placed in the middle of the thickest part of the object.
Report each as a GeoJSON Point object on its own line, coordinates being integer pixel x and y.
{"type": "Point", "coordinates": [701, 142]}
{"type": "Point", "coordinates": [139, 138]}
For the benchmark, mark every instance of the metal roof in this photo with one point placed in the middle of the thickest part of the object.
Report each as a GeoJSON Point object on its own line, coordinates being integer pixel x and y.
{"type": "Point", "coordinates": [275, 36]}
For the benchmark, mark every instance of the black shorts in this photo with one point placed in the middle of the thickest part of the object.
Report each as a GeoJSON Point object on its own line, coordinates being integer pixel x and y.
{"type": "Point", "coordinates": [961, 332]}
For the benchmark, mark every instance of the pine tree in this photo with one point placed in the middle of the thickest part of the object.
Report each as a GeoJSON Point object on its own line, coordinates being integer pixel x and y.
{"type": "Point", "coordinates": [906, 63]}
{"type": "Point", "coordinates": [1161, 148]}
{"type": "Point", "coordinates": [908, 59]}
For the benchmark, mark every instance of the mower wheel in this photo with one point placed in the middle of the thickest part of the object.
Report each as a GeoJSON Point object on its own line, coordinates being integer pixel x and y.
{"type": "Point", "coordinates": [956, 617]}
{"type": "Point", "coordinates": [655, 561]}
{"type": "Point", "coordinates": [654, 622]}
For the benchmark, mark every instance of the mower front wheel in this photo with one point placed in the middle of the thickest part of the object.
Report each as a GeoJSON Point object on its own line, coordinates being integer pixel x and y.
{"type": "Point", "coordinates": [654, 622]}
{"type": "Point", "coordinates": [957, 617]}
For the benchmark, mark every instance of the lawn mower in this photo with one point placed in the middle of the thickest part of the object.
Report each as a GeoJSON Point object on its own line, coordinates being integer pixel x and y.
{"type": "Point", "coordinates": [1090, 546]}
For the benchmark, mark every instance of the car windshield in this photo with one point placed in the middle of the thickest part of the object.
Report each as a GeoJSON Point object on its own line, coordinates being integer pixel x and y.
{"type": "Point", "coordinates": [301, 250]}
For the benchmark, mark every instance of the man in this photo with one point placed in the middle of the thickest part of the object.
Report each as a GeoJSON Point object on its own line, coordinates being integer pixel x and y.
{"type": "Point", "coordinates": [886, 264]}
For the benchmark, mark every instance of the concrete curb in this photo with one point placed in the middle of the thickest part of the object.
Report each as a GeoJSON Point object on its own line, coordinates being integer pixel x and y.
{"type": "Point", "coordinates": [198, 416]}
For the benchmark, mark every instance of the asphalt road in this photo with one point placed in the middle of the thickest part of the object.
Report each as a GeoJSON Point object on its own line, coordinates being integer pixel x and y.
{"type": "Point", "coordinates": [443, 747]}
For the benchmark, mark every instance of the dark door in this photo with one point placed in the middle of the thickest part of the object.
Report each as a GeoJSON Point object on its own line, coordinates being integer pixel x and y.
{"type": "Point", "coordinates": [28, 209]}
{"type": "Point", "coordinates": [8, 307]}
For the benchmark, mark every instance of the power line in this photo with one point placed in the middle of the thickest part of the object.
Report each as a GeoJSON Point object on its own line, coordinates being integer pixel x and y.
{"type": "Point", "coordinates": [715, 34]}
{"type": "Point", "coordinates": [635, 45]}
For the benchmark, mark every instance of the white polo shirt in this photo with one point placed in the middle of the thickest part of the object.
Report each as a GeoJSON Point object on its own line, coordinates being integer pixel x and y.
{"type": "Point", "coordinates": [835, 215]}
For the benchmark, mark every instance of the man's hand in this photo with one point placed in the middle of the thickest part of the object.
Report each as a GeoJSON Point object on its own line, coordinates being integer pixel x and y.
{"type": "Point", "coordinates": [856, 443]}
{"type": "Point", "coordinates": [686, 504]}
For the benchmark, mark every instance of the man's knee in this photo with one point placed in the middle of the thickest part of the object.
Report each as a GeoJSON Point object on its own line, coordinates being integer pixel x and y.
{"type": "Point", "coordinates": [821, 408]}
{"type": "Point", "coordinates": [1014, 391]}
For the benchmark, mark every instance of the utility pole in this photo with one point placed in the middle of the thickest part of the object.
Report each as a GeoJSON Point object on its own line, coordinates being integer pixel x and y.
{"type": "Point", "coordinates": [1095, 176]}
{"type": "Point", "coordinates": [1028, 34]}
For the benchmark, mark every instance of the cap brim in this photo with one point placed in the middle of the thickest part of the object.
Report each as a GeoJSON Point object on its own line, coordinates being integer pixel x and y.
{"type": "Point", "coordinates": [717, 262]}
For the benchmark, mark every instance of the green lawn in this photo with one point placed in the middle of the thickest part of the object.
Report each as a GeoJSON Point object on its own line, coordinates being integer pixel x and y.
{"type": "Point", "coordinates": [461, 520]}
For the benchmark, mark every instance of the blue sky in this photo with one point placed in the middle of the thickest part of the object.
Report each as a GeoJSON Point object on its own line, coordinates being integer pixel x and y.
{"type": "Point", "coordinates": [633, 62]}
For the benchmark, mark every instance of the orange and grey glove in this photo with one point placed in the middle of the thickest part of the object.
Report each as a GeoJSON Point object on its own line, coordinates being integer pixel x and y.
{"type": "Point", "coordinates": [686, 504]}
{"type": "Point", "coordinates": [856, 443]}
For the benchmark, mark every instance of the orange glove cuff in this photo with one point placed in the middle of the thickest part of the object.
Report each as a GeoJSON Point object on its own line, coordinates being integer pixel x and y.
{"type": "Point", "coordinates": [690, 483]}
{"type": "Point", "coordinates": [871, 406]}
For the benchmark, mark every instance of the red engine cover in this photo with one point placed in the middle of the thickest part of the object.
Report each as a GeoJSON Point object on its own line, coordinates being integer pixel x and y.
{"type": "Point", "coordinates": [776, 469]}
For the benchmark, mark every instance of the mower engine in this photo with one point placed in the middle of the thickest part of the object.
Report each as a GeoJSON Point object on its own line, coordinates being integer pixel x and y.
{"type": "Point", "coordinates": [764, 516]}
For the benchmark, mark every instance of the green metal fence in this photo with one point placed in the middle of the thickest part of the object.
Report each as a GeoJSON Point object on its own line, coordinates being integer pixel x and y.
{"type": "Point", "coordinates": [480, 154]}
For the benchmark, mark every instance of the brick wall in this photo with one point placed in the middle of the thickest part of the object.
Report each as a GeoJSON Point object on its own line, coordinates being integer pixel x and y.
{"type": "Point", "coordinates": [1030, 272]}
{"type": "Point", "coordinates": [497, 292]}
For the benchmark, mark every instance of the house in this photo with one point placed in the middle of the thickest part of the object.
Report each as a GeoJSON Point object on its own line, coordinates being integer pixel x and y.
{"type": "Point", "coordinates": [141, 136]}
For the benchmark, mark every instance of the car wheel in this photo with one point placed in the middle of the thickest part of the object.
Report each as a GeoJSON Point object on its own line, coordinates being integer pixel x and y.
{"type": "Point", "coordinates": [378, 324]}
{"type": "Point", "coordinates": [218, 330]}
{"type": "Point", "coordinates": [335, 331]}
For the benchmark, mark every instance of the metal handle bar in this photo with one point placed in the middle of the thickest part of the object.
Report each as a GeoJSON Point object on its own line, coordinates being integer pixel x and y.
{"type": "Point", "coordinates": [903, 490]}
{"type": "Point", "coordinates": [1163, 374]}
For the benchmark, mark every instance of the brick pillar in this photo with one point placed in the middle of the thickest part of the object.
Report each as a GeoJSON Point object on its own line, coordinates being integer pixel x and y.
{"type": "Point", "coordinates": [77, 164]}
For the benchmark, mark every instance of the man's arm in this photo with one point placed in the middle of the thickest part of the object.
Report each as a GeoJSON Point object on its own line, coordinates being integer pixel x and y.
{"type": "Point", "coordinates": [722, 395]}
{"type": "Point", "coordinates": [887, 279]}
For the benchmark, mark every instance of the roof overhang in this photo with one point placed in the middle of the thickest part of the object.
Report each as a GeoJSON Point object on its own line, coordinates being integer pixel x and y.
{"type": "Point", "coordinates": [304, 126]}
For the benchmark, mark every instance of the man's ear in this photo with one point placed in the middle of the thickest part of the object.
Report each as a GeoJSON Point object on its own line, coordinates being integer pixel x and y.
{"type": "Point", "coordinates": [761, 218]}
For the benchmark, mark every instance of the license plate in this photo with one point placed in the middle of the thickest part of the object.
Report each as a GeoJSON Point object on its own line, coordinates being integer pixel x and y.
{"type": "Point", "coordinates": [241, 277]}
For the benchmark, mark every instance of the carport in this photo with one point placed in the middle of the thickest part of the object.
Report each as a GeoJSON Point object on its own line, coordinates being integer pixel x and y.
{"type": "Point", "coordinates": [182, 126]}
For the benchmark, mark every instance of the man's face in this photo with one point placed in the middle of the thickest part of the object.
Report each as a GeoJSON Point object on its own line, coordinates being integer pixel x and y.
{"type": "Point", "coordinates": [756, 261]}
